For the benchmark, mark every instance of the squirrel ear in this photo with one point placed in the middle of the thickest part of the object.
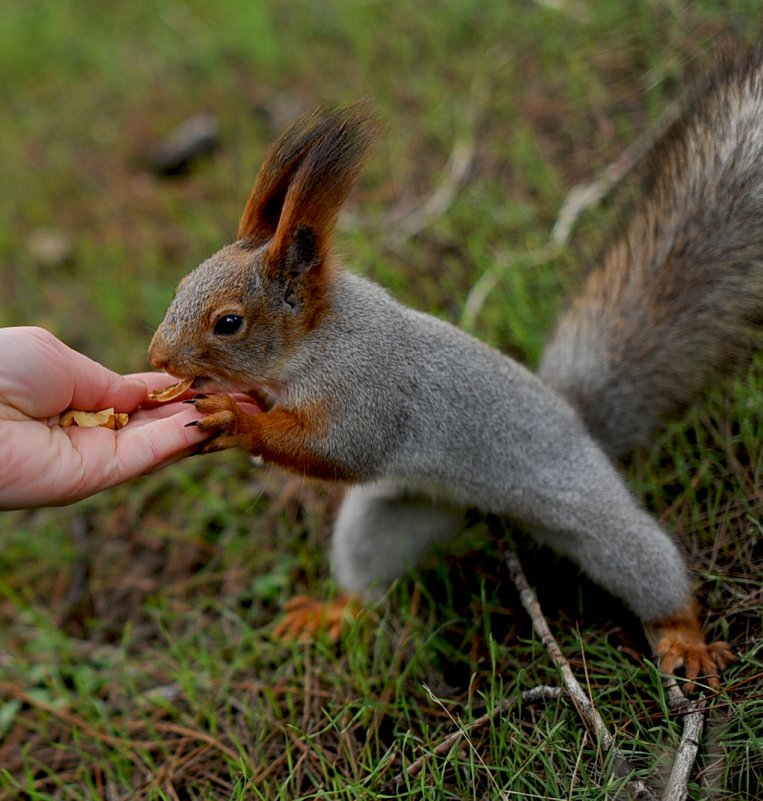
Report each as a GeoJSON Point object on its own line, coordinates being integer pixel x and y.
{"type": "Point", "coordinates": [304, 252]}
{"type": "Point", "coordinates": [299, 273]}
{"type": "Point", "coordinates": [317, 186]}
{"type": "Point", "coordinates": [263, 209]}
{"type": "Point", "coordinates": [283, 163]}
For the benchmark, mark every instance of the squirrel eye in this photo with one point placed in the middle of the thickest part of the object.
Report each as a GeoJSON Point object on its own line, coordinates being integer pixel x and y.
{"type": "Point", "coordinates": [228, 324]}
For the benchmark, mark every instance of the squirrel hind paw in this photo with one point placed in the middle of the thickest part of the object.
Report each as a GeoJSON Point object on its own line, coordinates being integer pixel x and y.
{"type": "Point", "coordinates": [307, 618]}
{"type": "Point", "coordinates": [681, 643]}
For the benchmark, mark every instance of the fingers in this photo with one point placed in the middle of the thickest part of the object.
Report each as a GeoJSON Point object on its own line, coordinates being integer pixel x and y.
{"type": "Point", "coordinates": [153, 378]}
{"type": "Point", "coordinates": [96, 387]}
{"type": "Point", "coordinates": [148, 442]}
{"type": "Point", "coordinates": [147, 414]}
{"type": "Point", "coordinates": [156, 441]}
{"type": "Point", "coordinates": [40, 376]}
{"type": "Point", "coordinates": [42, 465]}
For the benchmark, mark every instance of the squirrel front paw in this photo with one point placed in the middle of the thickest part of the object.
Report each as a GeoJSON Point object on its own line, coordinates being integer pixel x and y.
{"type": "Point", "coordinates": [230, 425]}
{"type": "Point", "coordinates": [679, 641]}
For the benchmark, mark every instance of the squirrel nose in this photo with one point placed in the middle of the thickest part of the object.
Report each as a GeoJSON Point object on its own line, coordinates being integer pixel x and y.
{"type": "Point", "coordinates": [157, 357]}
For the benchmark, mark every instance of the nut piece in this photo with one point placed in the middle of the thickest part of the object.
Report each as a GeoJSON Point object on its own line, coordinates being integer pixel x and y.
{"type": "Point", "coordinates": [106, 418]}
{"type": "Point", "coordinates": [171, 392]}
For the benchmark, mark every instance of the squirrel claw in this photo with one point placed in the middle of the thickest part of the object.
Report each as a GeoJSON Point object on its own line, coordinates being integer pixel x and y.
{"type": "Point", "coordinates": [679, 642]}
{"type": "Point", "coordinates": [223, 418]}
{"type": "Point", "coordinates": [219, 421]}
{"type": "Point", "coordinates": [221, 412]}
{"type": "Point", "coordinates": [705, 662]}
{"type": "Point", "coordinates": [222, 442]}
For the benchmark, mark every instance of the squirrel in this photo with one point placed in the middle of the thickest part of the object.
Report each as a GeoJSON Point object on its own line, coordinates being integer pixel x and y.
{"type": "Point", "coordinates": [424, 421]}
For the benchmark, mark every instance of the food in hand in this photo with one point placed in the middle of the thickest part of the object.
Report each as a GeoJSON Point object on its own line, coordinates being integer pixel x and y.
{"type": "Point", "coordinates": [105, 418]}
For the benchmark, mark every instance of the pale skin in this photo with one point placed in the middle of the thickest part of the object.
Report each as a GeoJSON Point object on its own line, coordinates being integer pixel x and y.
{"type": "Point", "coordinates": [43, 464]}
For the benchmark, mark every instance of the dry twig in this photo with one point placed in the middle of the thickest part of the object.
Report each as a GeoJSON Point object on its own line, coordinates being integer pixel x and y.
{"type": "Point", "coordinates": [533, 696]}
{"type": "Point", "coordinates": [693, 714]}
{"type": "Point", "coordinates": [578, 199]}
{"type": "Point", "coordinates": [585, 707]}
{"type": "Point", "coordinates": [402, 224]}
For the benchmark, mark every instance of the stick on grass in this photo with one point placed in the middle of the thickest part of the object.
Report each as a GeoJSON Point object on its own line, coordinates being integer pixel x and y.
{"type": "Point", "coordinates": [533, 696]}
{"type": "Point", "coordinates": [585, 707]}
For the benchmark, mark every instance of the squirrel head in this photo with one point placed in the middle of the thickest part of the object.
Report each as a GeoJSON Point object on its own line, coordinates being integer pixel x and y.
{"type": "Point", "coordinates": [245, 310]}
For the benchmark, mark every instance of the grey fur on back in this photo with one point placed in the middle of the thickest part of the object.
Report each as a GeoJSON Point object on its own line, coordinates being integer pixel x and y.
{"type": "Point", "coordinates": [463, 425]}
{"type": "Point", "coordinates": [676, 298]}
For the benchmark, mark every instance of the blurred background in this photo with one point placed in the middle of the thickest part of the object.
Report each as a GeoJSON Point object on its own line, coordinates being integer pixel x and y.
{"type": "Point", "coordinates": [98, 220]}
{"type": "Point", "coordinates": [136, 656]}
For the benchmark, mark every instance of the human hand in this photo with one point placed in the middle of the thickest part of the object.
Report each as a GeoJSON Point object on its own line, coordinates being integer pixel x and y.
{"type": "Point", "coordinates": [42, 464]}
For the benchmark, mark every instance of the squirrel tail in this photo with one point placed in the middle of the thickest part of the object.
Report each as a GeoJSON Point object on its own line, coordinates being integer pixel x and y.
{"type": "Point", "coordinates": [678, 296]}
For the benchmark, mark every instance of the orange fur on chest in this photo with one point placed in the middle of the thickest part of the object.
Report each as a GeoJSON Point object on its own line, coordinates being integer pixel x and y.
{"type": "Point", "coordinates": [289, 438]}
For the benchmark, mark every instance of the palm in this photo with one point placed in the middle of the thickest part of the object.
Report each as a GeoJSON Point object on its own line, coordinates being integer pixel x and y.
{"type": "Point", "coordinates": [42, 463]}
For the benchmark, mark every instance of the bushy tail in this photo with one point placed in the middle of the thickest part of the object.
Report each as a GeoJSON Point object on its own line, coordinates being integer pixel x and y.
{"type": "Point", "coordinates": [677, 298]}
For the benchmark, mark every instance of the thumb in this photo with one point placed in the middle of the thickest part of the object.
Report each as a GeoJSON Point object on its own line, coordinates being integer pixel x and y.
{"type": "Point", "coordinates": [96, 387]}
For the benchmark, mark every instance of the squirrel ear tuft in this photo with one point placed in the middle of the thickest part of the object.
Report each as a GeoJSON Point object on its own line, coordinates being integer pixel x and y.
{"type": "Point", "coordinates": [321, 183]}
{"type": "Point", "coordinates": [263, 209]}
{"type": "Point", "coordinates": [306, 178]}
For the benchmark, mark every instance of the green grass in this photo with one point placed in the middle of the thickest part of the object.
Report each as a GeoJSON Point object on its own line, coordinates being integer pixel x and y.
{"type": "Point", "coordinates": [137, 656]}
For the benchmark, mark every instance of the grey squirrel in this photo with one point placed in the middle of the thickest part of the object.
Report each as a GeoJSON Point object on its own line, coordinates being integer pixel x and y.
{"type": "Point", "coordinates": [424, 421]}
